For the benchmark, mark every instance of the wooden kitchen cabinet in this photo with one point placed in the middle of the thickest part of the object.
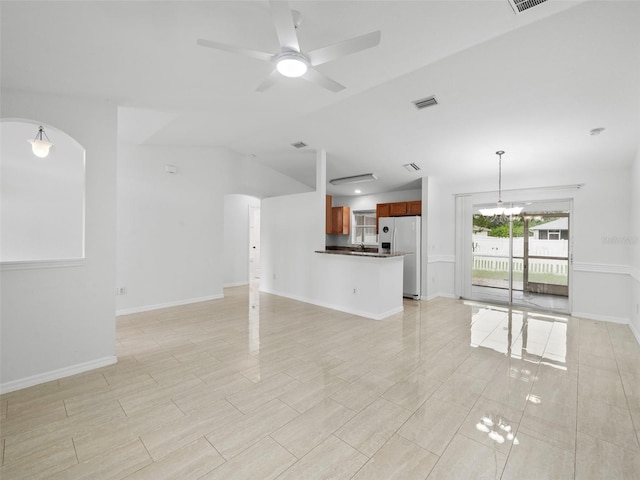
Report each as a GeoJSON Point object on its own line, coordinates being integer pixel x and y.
{"type": "Point", "coordinates": [337, 219]}
{"type": "Point", "coordinates": [340, 220]}
{"type": "Point", "coordinates": [397, 209]}
{"type": "Point", "coordinates": [414, 208]}
{"type": "Point", "coordinates": [382, 210]}
{"type": "Point", "coordinates": [328, 227]}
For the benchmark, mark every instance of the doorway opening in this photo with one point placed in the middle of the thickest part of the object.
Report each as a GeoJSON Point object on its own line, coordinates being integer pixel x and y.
{"type": "Point", "coordinates": [254, 242]}
{"type": "Point", "coordinates": [523, 259]}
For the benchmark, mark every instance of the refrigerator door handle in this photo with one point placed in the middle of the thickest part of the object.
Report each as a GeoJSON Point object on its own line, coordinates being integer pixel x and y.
{"type": "Point", "coordinates": [393, 241]}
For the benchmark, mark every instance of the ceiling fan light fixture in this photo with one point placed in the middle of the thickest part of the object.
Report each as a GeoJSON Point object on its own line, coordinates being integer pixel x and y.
{"type": "Point", "coordinates": [292, 64]}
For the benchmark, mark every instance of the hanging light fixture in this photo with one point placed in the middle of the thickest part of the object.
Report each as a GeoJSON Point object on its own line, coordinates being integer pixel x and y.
{"type": "Point", "coordinates": [500, 208]}
{"type": "Point", "coordinates": [39, 145]}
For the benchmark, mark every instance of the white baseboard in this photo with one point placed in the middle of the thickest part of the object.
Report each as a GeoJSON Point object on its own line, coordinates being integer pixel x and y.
{"type": "Point", "coordinates": [56, 374]}
{"type": "Point", "coordinates": [235, 284]}
{"type": "Point", "coordinates": [339, 308]}
{"type": "Point", "coordinates": [147, 308]}
{"type": "Point", "coordinates": [436, 295]}
{"type": "Point", "coordinates": [635, 331]}
{"type": "Point", "coordinates": [601, 318]}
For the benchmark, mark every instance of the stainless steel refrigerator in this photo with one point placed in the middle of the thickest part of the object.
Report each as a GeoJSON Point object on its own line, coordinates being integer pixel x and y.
{"type": "Point", "coordinates": [403, 235]}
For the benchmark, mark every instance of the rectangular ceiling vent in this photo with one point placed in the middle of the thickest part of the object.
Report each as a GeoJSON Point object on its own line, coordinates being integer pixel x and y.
{"type": "Point", "coordinates": [520, 6]}
{"type": "Point", "coordinates": [425, 102]}
{"type": "Point", "coordinates": [412, 167]}
{"type": "Point", "coordinates": [299, 144]}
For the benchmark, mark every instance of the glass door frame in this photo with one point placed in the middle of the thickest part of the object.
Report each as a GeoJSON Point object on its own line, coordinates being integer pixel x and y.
{"type": "Point", "coordinates": [539, 287]}
{"type": "Point", "coordinates": [467, 206]}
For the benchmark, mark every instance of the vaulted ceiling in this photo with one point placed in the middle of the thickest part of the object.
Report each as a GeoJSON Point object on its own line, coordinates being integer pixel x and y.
{"type": "Point", "coordinates": [532, 84]}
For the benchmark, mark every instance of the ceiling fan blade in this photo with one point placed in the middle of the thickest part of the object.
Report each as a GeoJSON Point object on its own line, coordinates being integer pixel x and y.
{"type": "Point", "coordinates": [283, 21]}
{"type": "Point", "coordinates": [269, 81]}
{"type": "Point", "coordinates": [242, 51]}
{"type": "Point", "coordinates": [353, 45]}
{"type": "Point", "coordinates": [321, 79]}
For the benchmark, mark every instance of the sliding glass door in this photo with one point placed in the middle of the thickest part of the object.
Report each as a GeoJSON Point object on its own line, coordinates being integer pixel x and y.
{"type": "Point", "coordinates": [546, 254]}
{"type": "Point", "coordinates": [522, 259]}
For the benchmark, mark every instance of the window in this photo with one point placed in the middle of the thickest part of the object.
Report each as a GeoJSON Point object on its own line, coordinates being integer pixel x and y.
{"type": "Point", "coordinates": [363, 228]}
{"type": "Point", "coordinates": [554, 234]}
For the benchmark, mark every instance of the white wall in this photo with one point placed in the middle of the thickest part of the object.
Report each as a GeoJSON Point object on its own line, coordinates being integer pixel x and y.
{"type": "Point", "coordinates": [600, 284]}
{"type": "Point", "coordinates": [292, 228]}
{"type": "Point", "coordinates": [61, 320]}
{"type": "Point", "coordinates": [171, 226]}
{"type": "Point", "coordinates": [438, 246]}
{"type": "Point", "coordinates": [236, 238]}
{"type": "Point", "coordinates": [634, 245]}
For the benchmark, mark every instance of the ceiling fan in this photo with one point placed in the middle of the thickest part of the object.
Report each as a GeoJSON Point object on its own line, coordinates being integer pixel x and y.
{"type": "Point", "coordinates": [290, 60]}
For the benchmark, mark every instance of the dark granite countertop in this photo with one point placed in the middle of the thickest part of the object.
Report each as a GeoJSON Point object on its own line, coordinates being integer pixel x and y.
{"type": "Point", "coordinates": [360, 253]}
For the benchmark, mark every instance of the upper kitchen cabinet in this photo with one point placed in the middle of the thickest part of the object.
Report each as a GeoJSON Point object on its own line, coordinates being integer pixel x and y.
{"type": "Point", "coordinates": [414, 208]}
{"type": "Point", "coordinates": [382, 210]}
{"type": "Point", "coordinates": [328, 228]}
{"type": "Point", "coordinates": [397, 209]}
{"type": "Point", "coordinates": [340, 220]}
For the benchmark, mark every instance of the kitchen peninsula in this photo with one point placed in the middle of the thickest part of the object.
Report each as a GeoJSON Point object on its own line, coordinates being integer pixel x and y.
{"type": "Point", "coordinates": [365, 283]}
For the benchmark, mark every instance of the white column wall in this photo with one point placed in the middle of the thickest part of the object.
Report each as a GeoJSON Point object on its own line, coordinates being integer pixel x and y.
{"type": "Point", "coordinates": [60, 321]}
{"type": "Point", "coordinates": [634, 243]}
{"type": "Point", "coordinates": [292, 228]}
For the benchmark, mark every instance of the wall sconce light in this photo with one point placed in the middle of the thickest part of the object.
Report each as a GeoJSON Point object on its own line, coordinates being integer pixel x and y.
{"type": "Point", "coordinates": [39, 145]}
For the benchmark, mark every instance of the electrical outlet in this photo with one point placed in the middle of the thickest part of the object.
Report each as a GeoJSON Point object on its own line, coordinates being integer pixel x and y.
{"type": "Point", "coordinates": [121, 291]}
{"type": "Point", "coordinates": [355, 291]}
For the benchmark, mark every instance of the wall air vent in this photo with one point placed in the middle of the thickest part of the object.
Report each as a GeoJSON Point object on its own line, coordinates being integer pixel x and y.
{"type": "Point", "coordinates": [425, 102]}
{"type": "Point", "coordinates": [520, 6]}
{"type": "Point", "coordinates": [412, 167]}
{"type": "Point", "coordinates": [299, 144]}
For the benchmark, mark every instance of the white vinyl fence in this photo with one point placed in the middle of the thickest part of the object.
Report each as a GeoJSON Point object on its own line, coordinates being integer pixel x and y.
{"type": "Point", "coordinates": [492, 254]}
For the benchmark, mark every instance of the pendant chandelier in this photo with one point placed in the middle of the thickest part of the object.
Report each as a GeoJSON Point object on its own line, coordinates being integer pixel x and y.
{"type": "Point", "coordinates": [39, 145]}
{"type": "Point", "coordinates": [500, 209]}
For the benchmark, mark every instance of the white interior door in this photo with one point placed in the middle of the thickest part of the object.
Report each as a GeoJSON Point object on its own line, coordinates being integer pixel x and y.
{"type": "Point", "coordinates": [254, 242]}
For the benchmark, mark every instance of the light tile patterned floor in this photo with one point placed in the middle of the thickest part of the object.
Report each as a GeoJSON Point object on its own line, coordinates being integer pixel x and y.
{"type": "Point", "coordinates": [255, 386]}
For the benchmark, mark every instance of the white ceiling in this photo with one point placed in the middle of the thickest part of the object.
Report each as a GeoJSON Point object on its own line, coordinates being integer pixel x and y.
{"type": "Point", "coordinates": [532, 84]}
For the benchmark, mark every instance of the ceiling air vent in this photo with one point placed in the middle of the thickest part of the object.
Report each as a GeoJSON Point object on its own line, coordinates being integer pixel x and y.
{"type": "Point", "coordinates": [425, 102]}
{"type": "Point", "coordinates": [412, 167]}
{"type": "Point", "coordinates": [299, 144]}
{"type": "Point", "coordinates": [520, 6]}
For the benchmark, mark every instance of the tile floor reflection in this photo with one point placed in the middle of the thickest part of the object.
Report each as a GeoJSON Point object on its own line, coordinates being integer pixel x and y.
{"type": "Point", "coordinates": [255, 386]}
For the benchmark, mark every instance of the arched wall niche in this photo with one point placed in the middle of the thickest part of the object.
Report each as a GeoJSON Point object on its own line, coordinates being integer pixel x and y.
{"type": "Point", "coordinates": [42, 200]}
